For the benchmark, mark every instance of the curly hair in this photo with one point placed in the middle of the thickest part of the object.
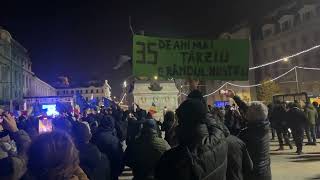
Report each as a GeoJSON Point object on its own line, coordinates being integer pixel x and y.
{"type": "Point", "coordinates": [52, 156]}
{"type": "Point", "coordinates": [257, 111]}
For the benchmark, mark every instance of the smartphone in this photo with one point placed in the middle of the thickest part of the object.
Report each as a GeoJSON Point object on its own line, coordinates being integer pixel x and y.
{"type": "Point", "coordinates": [45, 125]}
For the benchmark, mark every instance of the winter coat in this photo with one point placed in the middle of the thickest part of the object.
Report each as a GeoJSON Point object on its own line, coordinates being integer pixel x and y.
{"type": "Point", "coordinates": [204, 157]}
{"type": "Point", "coordinates": [296, 118]}
{"type": "Point", "coordinates": [311, 114]}
{"type": "Point", "coordinates": [277, 117]}
{"type": "Point", "coordinates": [143, 155]}
{"type": "Point", "coordinates": [109, 144]}
{"type": "Point", "coordinates": [239, 161]}
{"type": "Point", "coordinates": [133, 131]}
{"type": "Point", "coordinates": [14, 166]}
{"type": "Point", "coordinates": [94, 163]}
{"type": "Point", "coordinates": [256, 137]}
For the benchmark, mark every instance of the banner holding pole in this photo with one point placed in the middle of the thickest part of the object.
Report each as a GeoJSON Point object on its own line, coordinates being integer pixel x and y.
{"type": "Point", "coordinates": [188, 58]}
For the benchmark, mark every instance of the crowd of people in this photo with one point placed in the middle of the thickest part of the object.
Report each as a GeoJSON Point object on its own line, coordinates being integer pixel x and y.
{"type": "Point", "coordinates": [199, 142]}
{"type": "Point", "coordinates": [290, 119]}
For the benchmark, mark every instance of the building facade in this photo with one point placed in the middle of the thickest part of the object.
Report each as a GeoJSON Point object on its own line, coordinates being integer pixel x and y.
{"type": "Point", "coordinates": [288, 30]}
{"type": "Point", "coordinates": [88, 90]}
{"type": "Point", "coordinates": [16, 77]}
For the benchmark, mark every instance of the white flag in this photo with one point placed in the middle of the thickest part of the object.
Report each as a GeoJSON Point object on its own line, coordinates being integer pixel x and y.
{"type": "Point", "coordinates": [122, 60]}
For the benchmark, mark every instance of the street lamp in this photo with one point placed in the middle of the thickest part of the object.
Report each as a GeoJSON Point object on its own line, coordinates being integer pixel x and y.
{"type": "Point", "coordinates": [286, 59]}
{"type": "Point", "coordinates": [124, 84]}
{"type": "Point", "coordinates": [155, 77]}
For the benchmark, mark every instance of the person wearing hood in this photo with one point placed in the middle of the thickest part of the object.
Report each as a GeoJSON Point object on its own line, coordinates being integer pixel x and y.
{"type": "Point", "coordinates": [108, 143]}
{"type": "Point", "coordinates": [256, 137]}
{"type": "Point", "coordinates": [297, 120]}
{"type": "Point", "coordinates": [143, 155]}
{"type": "Point", "coordinates": [13, 149]}
{"type": "Point", "coordinates": [202, 149]}
{"type": "Point", "coordinates": [92, 161]}
{"type": "Point", "coordinates": [312, 115]}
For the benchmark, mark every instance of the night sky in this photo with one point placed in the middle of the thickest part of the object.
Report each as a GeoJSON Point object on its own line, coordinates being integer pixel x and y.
{"type": "Point", "coordinates": [82, 39]}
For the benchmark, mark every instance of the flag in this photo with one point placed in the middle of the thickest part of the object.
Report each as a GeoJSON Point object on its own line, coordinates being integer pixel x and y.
{"type": "Point", "coordinates": [122, 60]}
{"type": "Point", "coordinates": [94, 103]}
{"type": "Point", "coordinates": [81, 102]}
{"type": "Point", "coordinates": [107, 102]}
{"type": "Point", "coordinates": [153, 109]}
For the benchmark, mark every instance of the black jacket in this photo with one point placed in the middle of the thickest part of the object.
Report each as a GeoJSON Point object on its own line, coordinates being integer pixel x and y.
{"type": "Point", "coordinates": [94, 163]}
{"type": "Point", "coordinates": [203, 157]}
{"type": "Point", "coordinates": [239, 161]}
{"type": "Point", "coordinates": [296, 118]}
{"type": "Point", "coordinates": [277, 117]}
{"type": "Point", "coordinates": [256, 137]}
{"type": "Point", "coordinates": [109, 144]}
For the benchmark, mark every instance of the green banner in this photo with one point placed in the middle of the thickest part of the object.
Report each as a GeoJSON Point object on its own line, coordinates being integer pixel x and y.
{"type": "Point", "coordinates": [189, 58]}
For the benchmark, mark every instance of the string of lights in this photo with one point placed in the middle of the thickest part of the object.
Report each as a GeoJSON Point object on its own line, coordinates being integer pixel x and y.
{"type": "Point", "coordinates": [285, 58]}
{"type": "Point", "coordinates": [256, 85]}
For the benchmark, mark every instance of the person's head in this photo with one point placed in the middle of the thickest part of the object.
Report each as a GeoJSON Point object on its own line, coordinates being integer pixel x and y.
{"type": "Point", "coordinates": [256, 112]}
{"type": "Point", "coordinates": [149, 127]}
{"type": "Point", "coordinates": [52, 156]}
{"type": "Point", "coordinates": [81, 133]}
{"type": "Point", "coordinates": [315, 104]}
{"type": "Point", "coordinates": [191, 112]}
{"type": "Point", "coordinates": [149, 115]}
{"type": "Point", "coordinates": [196, 94]}
{"type": "Point", "coordinates": [107, 122]}
{"type": "Point", "coordinates": [62, 124]}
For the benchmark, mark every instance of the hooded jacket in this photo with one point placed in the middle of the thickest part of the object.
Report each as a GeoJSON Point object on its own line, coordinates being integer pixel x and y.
{"type": "Point", "coordinates": [311, 114]}
{"type": "Point", "coordinates": [108, 143]}
{"type": "Point", "coordinates": [202, 152]}
{"type": "Point", "coordinates": [143, 155]}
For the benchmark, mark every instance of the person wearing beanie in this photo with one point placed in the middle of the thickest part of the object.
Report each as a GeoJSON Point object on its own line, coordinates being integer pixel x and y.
{"type": "Point", "coordinates": [143, 155]}
{"type": "Point", "coordinates": [92, 161]}
{"type": "Point", "coordinates": [202, 149]}
{"type": "Point", "coordinates": [108, 143]}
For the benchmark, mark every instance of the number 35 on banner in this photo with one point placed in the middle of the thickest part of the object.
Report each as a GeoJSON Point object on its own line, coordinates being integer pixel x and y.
{"type": "Point", "coordinates": [189, 58]}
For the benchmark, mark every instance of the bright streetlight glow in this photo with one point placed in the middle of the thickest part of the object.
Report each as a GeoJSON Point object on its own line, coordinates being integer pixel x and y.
{"type": "Point", "coordinates": [155, 77]}
{"type": "Point", "coordinates": [285, 59]}
{"type": "Point", "coordinates": [124, 84]}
